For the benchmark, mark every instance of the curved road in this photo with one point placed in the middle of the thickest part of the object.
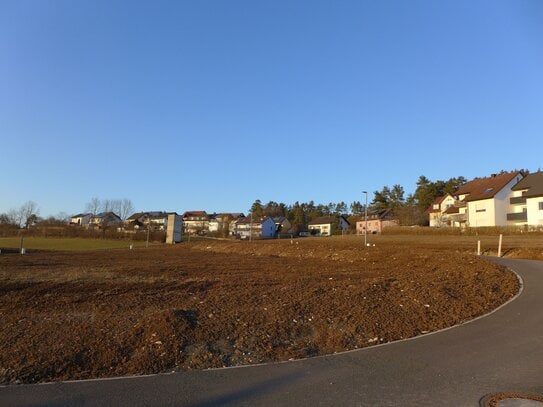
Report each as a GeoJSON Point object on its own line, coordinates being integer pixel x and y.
{"type": "Point", "coordinates": [456, 367]}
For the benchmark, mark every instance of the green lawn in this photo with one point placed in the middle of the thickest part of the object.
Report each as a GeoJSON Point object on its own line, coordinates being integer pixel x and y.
{"type": "Point", "coordinates": [66, 243]}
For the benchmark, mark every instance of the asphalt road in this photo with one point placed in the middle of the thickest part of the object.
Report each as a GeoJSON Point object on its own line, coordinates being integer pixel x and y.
{"type": "Point", "coordinates": [500, 352]}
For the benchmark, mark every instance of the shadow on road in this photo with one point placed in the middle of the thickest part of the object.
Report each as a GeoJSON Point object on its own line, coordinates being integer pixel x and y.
{"type": "Point", "coordinates": [249, 392]}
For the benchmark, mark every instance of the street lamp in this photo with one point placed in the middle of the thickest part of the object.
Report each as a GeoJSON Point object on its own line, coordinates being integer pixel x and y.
{"type": "Point", "coordinates": [366, 220]}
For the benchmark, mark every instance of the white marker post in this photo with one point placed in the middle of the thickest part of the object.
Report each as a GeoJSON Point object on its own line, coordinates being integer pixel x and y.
{"type": "Point", "coordinates": [478, 247]}
{"type": "Point", "coordinates": [500, 246]}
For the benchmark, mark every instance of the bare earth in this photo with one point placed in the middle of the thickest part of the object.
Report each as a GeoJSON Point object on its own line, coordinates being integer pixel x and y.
{"type": "Point", "coordinates": [79, 315]}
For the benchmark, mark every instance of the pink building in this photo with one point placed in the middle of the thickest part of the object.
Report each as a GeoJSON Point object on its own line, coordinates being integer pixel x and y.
{"type": "Point", "coordinates": [377, 221]}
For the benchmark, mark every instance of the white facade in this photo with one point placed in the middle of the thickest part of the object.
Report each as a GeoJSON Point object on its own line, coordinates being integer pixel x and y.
{"type": "Point", "coordinates": [263, 229]}
{"type": "Point", "coordinates": [158, 223]}
{"type": "Point", "coordinates": [81, 220]}
{"type": "Point", "coordinates": [325, 229]}
{"type": "Point", "coordinates": [437, 216]}
{"type": "Point", "coordinates": [534, 208]}
{"type": "Point", "coordinates": [493, 211]}
{"type": "Point", "coordinates": [213, 225]}
{"type": "Point", "coordinates": [527, 211]}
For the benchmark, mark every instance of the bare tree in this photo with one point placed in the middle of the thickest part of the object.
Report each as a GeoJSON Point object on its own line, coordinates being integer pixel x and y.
{"type": "Point", "coordinates": [62, 217]}
{"type": "Point", "coordinates": [107, 205]}
{"type": "Point", "coordinates": [4, 219]}
{"type": "Point", "coordinates": [125, 208]}
{"type": "Point", "coordinates": [28, 213]}
{"type": "Point", "coordinates": [93, 206]}
{"type": "Point", "coordinates": [15, 217]}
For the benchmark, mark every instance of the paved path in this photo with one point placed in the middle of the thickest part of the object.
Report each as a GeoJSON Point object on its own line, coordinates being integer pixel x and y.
{"type": "Point", "coordinates": [456, 367]}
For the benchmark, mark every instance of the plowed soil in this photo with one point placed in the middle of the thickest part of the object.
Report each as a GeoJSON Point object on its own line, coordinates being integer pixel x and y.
{"type": "Point", "coordinates": [69, 315]}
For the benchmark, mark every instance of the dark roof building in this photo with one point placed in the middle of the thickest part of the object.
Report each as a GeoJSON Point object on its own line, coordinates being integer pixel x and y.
{"type": "Point", "coordinates": [533, 183]}
{"type": "Point", "coordinates": [327, 220]}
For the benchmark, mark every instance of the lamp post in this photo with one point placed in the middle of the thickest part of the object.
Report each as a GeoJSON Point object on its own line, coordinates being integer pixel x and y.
{"type": "Point", "coordinates": [366, 220]}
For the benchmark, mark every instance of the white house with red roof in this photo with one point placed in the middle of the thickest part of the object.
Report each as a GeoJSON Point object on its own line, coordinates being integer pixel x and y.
{"type": "Point", "coordinates": [437, 211]}
{"type": "Point", "coordinates": [485, 202]}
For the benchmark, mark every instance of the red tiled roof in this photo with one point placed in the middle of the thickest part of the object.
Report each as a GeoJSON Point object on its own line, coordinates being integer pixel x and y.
{"type": "Point", "coordinates": [486, 188]}
{"type": "Point", "coordinates": [437, 201]}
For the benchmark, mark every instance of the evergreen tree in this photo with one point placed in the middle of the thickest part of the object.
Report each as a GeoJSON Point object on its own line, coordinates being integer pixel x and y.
{"type": "Point", "coordinates": [341, 208]}
{"type": "Point", "coordinates": [381, 199]}
{"type": "Point", "coordinates": [357, 209]}
{"type": "Point", "coordinates": [257, 209]}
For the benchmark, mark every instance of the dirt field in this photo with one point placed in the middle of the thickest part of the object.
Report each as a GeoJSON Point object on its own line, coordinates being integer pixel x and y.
{"type": "Point", "coordinates": [75, 315]}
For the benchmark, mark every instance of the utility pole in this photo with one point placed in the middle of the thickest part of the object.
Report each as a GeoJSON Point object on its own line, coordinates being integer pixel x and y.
{"type": "Point", "coordinates": [148, 230]}
{"type": "Point", "coordinates": [366, 220]}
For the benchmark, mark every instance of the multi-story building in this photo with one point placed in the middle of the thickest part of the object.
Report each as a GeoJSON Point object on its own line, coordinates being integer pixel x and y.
{"type": "Point", "coordinates": [195, 222]}
{"type": "Point", "coordinates": [377, 221]}
{"type": "Point", "coordinates": [484, 202]}
{"type": "Point", "coordinates": [526, 202]}
{"type": "Point", "coordinates": [254, 228]}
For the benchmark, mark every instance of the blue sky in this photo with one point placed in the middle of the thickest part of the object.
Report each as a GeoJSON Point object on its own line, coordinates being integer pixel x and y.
{"type": "Point", "coordinates": [210, 105]}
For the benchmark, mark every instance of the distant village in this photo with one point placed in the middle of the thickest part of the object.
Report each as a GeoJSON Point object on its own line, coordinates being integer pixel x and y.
{"type": "Point", "coordinates": [507, 199]}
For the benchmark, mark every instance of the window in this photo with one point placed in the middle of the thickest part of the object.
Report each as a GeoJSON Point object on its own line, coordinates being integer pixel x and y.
{"type": "Point", "coordinates": [480, 210]}
{"type": "Point", "coordinates": [488, 190]}
{"type": "Point", "coordinates": [541, 206]}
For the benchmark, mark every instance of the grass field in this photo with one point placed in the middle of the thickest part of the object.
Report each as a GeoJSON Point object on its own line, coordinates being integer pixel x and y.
{"type": "Point", "coordinates": [36, 243]}
{"type": "Point", "coordinates": [489, 244]}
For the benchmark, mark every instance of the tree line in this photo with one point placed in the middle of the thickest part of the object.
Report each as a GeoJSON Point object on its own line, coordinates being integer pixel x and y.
{"type": "Point", "coordinates": [28, 213]}
{"type": "Point", "coordinates": [409, 210]}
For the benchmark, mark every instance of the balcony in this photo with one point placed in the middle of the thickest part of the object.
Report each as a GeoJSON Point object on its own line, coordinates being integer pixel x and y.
{"type": "Point", "coordinates": [518, 216]}
{"type": "Point", "coordinates": [518, 200]}
{"type": "Point", "coordinates": [458, 217]}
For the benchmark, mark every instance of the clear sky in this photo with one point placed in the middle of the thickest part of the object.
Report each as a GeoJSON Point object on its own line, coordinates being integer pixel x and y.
{"type": "Point", "coordinates": [185, 105]}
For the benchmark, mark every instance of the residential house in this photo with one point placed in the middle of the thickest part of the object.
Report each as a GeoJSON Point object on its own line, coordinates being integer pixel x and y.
{"type": "Point", "coordinates": [327, 225]}
{"type": "Point", "coordinates": [484, 201]}
{"type": "Point", "coordinates": [299, 230]}
{"type": "Point", "coordinates": [195, 222]}
{"type": "Point", "coordinates": [254, 228]}
{"type": "Point", "coordinates": [282, 225]}
{"type": "Point", "coordinates": [437, 212]}
{"type": "Point", "coordinates": [377, 221]}
{"type": "Point", "coordinates": [220, 222]}
{"type": "Point", "coordinates": [353, 220]}
{"type": "Point", "coordinates": [144, 220]}
{"type": "Point", "coordinates": [526, 202]}
{"type": "Point", "coordinates": [104, 219]}
{"type": "Point", "coordinates": [81, 219]}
